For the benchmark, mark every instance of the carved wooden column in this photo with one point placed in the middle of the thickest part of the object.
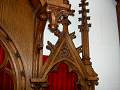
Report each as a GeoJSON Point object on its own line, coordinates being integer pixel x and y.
{"type": "Point", "coordinates": [38, 44]}
{"type": "Point", "coordinates": [118, 15]}
{"type": "Point", "coordinates": [84, 29]}
{"type": "Point", "coordinates": [40, 22]}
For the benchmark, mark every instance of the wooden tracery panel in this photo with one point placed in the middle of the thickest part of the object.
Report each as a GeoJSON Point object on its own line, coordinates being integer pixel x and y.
{"type": "Point", "coordinates": [6, 72]}
{"type": "Point", "coordinates": [12, 74]}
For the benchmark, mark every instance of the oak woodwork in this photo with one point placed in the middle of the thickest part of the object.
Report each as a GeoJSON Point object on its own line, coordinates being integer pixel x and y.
{"type": "Point", "coordinates": [64, 51]}
{"type": "Point", "coordinates": [12, 53]}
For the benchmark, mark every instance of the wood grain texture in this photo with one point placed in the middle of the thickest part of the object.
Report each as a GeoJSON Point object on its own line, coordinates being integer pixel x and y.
{"type": "Point", "coordinates": [17, 19]}
{"type": "Point", "coordinates": [25, 28]}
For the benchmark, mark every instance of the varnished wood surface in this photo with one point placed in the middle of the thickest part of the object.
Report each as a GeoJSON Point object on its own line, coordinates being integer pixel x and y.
{"type": "Point", "coordinates": [25, 27]}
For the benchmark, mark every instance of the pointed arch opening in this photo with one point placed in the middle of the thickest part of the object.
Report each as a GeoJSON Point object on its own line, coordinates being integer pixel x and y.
{"type": "Point", "coordinates": [6, 71]}
{"type": "Point", "coordinates": [12, 75]}
{"type": "Point", "coordinates": [62, 78]}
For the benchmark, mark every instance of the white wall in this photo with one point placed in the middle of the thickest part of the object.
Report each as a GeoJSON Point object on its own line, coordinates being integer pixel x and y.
{"type": "Point", "coordinates": [104, 42]}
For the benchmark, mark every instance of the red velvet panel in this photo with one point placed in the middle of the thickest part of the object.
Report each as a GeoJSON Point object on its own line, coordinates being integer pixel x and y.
{"type": "Point", "coordinates": [2, 55]}
{"type": "Point", "coordinates": [6, 82]}
{"type": "Point", "coordinates": [45, 58]}
{"type": "Point", "coordinates": [62, 79]}
{"type": "Point", "coordinates": [8, 65]}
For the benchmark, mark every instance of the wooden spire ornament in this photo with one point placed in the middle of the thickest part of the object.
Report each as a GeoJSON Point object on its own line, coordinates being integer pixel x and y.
{"type": "Point", "coordinates": [84, 29]}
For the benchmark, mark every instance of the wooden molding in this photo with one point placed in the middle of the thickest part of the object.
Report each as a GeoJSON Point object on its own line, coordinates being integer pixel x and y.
{"type": "Point", "coordinates": [15, 60]}
{"type": "Point", "coordinates": [118, 15]}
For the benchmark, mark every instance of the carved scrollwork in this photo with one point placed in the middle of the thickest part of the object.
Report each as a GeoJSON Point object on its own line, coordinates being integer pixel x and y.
{"type": "Point", "coordinates": [64, 52]}
{"type": "Point", "coordinates": [72, 35]}
{"type": "Point", "coordinates": [66, 1]}
{"type": "Point", "coordinates": [17, 55]}
{"type": "Point", "coordinates": [58, 33]}
{"type": "Point", "coordinates": [65, 21]}
{"type": "Point", "coordinates": [39, 46]}
{"type": "Point", "coordinates": [50, 46]}
{"type": "Point", "coordinates": [56, 15]}
{"type": "Point", "coordinates": [79, 49]}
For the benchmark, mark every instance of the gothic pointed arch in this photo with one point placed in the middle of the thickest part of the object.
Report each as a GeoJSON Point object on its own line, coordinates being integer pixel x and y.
{"type": "Point", "coordinates": [11, 67]}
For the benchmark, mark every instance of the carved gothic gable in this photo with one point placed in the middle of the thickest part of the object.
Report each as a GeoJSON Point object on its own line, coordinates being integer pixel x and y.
{"type": "Point", "coordinates": [64, 51]}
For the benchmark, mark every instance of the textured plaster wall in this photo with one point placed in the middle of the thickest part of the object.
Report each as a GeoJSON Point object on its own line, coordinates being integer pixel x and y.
{"type": "Point", "coordinates": [104, 44]}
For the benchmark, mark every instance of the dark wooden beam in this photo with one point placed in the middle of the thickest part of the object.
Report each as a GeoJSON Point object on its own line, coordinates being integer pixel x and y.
{"type": "Point", "coordinates": [118, 15]}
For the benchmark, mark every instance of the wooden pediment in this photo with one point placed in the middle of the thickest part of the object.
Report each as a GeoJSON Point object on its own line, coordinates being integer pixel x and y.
{"type": "Point", "coordinates": [64, 51]}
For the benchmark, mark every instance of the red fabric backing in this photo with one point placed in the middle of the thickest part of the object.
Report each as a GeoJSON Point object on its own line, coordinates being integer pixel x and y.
{"type": "Point", "coordinates": [2, 55]}
{"type": "Point", "coordinates": [62, 79]}
{"type": "Point", "coordinates": [6, 82]}
{"type": "Point", "coordinates": [45, 58]}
